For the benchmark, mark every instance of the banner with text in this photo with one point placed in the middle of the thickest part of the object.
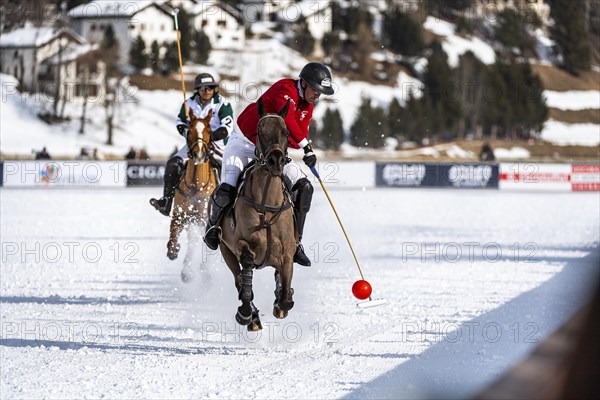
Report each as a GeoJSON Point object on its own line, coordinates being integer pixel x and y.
{"type": "Point", "coordinates": [49, 173]}
{"type": "Point", "coordinates": [457, 175]}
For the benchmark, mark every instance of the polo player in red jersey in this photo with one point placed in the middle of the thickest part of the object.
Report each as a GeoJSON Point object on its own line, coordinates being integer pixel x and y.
{"type": "Point", "coordinates": [315, 79]}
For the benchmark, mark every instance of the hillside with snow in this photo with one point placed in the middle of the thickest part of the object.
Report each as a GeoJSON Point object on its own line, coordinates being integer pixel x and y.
{"type": "Point", "coordinates": [145, 118]}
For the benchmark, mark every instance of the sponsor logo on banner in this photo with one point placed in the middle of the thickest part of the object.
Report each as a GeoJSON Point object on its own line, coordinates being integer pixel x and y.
{"type": "Point", "coordinates": [403, 174]}
{"type": "Point", "coordinates": [585, 178]}
{"type": "Point", "coordinates": [470, 175]}
{"type": "Point", "coordinates": [64, 173]}
{"type": "Point", "coordinates": [145, 174]}
{"type": "Point", "coordinates": [559, 177]}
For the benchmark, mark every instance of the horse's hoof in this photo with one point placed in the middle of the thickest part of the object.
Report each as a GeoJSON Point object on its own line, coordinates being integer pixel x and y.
{"type": "Point", "coordinates": [173, 252]}
{"type": "Point", "coordinates": [255, 325]}
{"type": "Point", "coordinates": [279, 313]}
{"type": "Point", "coordinates": [187, 275]}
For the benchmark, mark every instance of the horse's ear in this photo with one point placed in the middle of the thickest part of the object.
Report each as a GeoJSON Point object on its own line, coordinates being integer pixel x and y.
{"type": "Point", "coordinates": [284, 111]}
{"type": "Point", "coordinates": [260, 108]}
{"type": "Point", "coordinates": [191, 114]}
{"type": "Point", "coordinates": [209, 116]}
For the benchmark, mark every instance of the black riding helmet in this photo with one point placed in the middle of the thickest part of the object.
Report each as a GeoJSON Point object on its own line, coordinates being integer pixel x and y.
{"type": "Point", "coordinates": [205, 79]}
{"type": "Point", "coordinates": [318, 77]}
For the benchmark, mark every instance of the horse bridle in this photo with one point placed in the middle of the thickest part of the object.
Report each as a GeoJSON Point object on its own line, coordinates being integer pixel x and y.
{"type": "Point", "coordinates": [204, 148]}
{"type": "Point", "coordinates": [262, 156]}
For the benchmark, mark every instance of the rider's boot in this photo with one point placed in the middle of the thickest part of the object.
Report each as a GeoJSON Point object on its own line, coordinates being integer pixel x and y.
{"type": "Point", "coordinates": [301, 207]}
{"type": "Point", "coordinates": [173, 171]}
{"type": "Point", "coordinates": [222, 197]}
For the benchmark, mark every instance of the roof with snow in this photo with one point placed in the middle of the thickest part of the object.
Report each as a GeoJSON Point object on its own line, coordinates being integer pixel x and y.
{"type": "Point", "coordinates": [31, 36]}
{"type": "Point", "coordinates": [112, 9]}
{"type": "Point", "coordinates": [72, 54]}
{"type": "Point", "coordinates": [207, 6]}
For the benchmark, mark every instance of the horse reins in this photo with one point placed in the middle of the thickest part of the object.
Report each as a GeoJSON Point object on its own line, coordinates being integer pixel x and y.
{"type": "Point", "coordinates": [262, 210]}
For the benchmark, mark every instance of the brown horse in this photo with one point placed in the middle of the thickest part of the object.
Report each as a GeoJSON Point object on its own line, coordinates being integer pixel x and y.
{"type": "Point", "coordinates": [262, 231]}
{"type": "Point", "coordinates": [191, 200]}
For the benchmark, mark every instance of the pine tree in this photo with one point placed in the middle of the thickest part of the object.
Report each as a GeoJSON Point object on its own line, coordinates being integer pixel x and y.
{"type": "Point", "coordinates": [511, 32]}
{"type": "Point", "coordinates": [402, 33]}
{"type": "Point", "coordinates": [170, 60]}
{"type": "Point", "coordinates": [137, 54]}
{"type": "Point", "coordinates": [569, 34]}
{"type": "Point", "coordinates": [201, 47]}
{"type": "Point", "coordinates": [154, 56]}
{"type": "Point", "coordinates": [470, 79]}
{"type": "Point", "coordinates": [395, 118]}
{"type": "Point", "coordinates": [370, 127]}
{"type": "Point", "coordinates": [185, 33]}
{"type": "Point", "coordinates": [332, 133]}
{"type": "Point", "coordinates": [441, 97]}
{"type": "Point", "coordinates": [302, 40]}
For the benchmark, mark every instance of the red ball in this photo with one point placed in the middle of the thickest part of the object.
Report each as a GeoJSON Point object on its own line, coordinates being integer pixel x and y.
{"type": "Point", "coordinates": [361, 289]}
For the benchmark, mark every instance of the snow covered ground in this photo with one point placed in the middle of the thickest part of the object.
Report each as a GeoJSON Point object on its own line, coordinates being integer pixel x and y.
{"type": "Point", "coordinates": [91, 307]}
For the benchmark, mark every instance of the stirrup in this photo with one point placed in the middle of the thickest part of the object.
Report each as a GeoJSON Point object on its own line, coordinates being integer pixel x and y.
{"type": "Point", "coordinates": [300, 257]}
{"type": "Point", "coordinates": [212, 237]}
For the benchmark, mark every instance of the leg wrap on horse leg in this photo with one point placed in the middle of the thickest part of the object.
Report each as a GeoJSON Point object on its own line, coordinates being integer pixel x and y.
{"type": "Point", "coordinates": [222, 197]}
{"type": "Point", "coordinates": [246, 296]}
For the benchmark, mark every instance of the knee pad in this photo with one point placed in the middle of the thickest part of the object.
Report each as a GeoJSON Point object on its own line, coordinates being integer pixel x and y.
{"type": "Point", "coordinates": [304, 192]}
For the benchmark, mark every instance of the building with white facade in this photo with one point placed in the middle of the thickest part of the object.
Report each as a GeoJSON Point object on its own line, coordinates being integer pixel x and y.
{"type": "Point", "coordinates": [129, 19]}
{"type": "Point", "coordinates": [222, 24]}
{"type": "Point", "coordinates": [36, 56]}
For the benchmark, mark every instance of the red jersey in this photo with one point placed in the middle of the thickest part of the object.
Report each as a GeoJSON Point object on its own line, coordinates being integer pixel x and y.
{"type": "Point", "coordinates": [274, 99]}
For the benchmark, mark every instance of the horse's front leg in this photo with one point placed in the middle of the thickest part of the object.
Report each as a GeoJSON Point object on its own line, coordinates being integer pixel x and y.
{"type": "Point", "coordinates": [176, 228]}
{"type": "Point", "coordinates": [283, 293]}
{"type": "Point", "coordinates": [244, 314]}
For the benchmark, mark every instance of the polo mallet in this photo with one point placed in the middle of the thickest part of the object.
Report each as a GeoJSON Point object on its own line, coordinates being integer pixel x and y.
{"type": "Point", "coordinates": [361, 289]}
{"type": "Point", "coordinates": [175, 12]}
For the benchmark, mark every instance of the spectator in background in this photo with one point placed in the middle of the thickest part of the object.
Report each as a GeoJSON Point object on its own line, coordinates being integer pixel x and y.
{"type": "Point", "coordinates": [83, 154]}
{"type": "Point", "coordinates": [96, 156]}
{"type": "Point", "coordinates": [143, 154]}
{"type": "Point", "coordinates": [130, 154]}
{"type": "Point", "coordinates": [43, 154]}
{"type": "Point", "coordinates": [486, 153]}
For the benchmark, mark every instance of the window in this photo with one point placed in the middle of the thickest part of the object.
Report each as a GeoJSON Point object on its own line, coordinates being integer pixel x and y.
{"type": "Point", "coordinates": [93, 27]}
{"type": "Point", "coordinates": [221, 23]}
{"type": "Point", "coordinates": [204, 23]}
{"type": "Point", "coordinates": [162, 27]}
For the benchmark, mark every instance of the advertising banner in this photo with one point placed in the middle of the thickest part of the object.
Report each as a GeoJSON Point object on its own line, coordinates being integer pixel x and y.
{"type": "Point", "coordinates": [50, 173]}
{"type": "Point", "coordinates": [535, 176]}
{"type": "Point", "coordinates": [457, 175]}
{"type": "Point", "coordinates": [1, 174]}
{"type": "Point", "coordinates": [585, 178]}
{"type": "Point", "coordinates": [145, 173]}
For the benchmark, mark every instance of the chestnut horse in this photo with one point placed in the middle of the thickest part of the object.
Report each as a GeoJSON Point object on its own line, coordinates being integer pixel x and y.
{"type": "Point", "coordinates": [262, 231]}
{"type": "Point", "coordinates": [190, 207]}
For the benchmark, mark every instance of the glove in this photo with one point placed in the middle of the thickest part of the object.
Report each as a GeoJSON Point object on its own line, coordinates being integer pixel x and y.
{"type": "Point", "coordinates": [218, 134]}
{"type": "Point", "coordinates": [310, 159]}
{"type": "Point", "coordinates": [183, 130]}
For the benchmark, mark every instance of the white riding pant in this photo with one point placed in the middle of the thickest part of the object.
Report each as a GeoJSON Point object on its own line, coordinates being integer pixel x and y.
{"type": "Point", "coordinates": [239, 152]}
